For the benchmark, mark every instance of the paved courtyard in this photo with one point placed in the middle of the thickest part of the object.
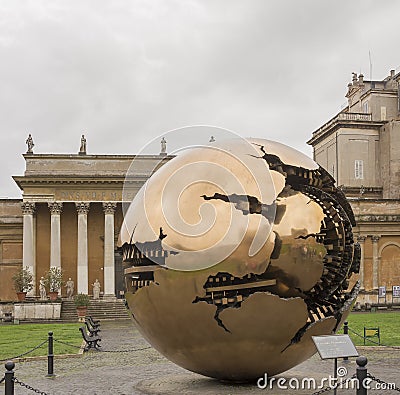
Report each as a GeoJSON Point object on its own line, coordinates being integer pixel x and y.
{"type": "Point", "coordinates": [147, 372]}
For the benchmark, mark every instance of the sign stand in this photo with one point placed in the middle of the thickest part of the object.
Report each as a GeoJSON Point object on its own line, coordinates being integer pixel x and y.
{"type": "Point", "coordinates": [382, 293]}
{"type": "Point", "coordinates": [395, 292]}
{"type": "Point", "coordinates": [334, 347]}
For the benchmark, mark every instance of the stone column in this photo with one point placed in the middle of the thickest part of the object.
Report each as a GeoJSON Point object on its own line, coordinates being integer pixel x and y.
{"type": "Point", "coordinates": [109, 263]}
{"type": "Point", "coordinates": [82, 261]}
{"type": "Point", "coordinates": [28, 240]}
{"type": "Point", "coordinates": [55, 238]}
{"type": "Point", "coordinates": [375, 261]}
{"type": "Point", "coordinates": [361, 240]}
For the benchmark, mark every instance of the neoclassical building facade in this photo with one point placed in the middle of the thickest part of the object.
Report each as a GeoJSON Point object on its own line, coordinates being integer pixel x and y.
{"type": "Point", "coordinates": [71, 212]}
{"type": "Point", "coordinates": [360, 147]}
{"type": "Point", "coordinates": [69, 216]}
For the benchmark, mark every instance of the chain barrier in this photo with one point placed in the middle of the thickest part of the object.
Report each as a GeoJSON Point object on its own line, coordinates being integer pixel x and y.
{"type": "Point", "coordinates": [67, 344]}
{"type": "Point", "coordinates": [2, 379]}
{"type": "Point", "coordinates": [372, 341]}
{"type": "Point", "coordinates": [326, 389]}
{"type": "Point", "coordinates": [25, 353]}
{"type": "Point", "coordinates": [28, 387]}
{"type": "Point", "coordinates": [387, 385]}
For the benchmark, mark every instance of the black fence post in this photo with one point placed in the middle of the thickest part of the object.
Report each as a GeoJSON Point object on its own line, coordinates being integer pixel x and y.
{"type": "Point", "coordinates": [346, 332]}
{"type": "Point", "coordinates": [361, 373]}
{"type": "Point", "coordinates": [9, 378]}
{"type": "Point", "coordinates": [50, 357]}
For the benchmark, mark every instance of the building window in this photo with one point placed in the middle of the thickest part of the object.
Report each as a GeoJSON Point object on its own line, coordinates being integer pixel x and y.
{"type": "Point", "coordinates": [365, 107]}
{"type": "Point", "coordinates": [358, 169]}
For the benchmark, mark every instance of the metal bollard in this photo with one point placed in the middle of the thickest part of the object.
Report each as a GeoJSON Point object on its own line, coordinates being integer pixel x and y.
{"type": "Point", "coordinates": [361, 373]}
{"type": "Point", "coordinates": [50, 357]}
{"type": "Point", "coordinates": [346, 332]}
{"type": "Point", "coordinates": [9, 378]}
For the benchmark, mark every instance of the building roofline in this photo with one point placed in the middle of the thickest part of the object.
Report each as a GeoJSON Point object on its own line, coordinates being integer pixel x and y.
{"type": "Point", "coordinates": [94, 156]}
{"type": "Point", "coordinates": [339, 120]}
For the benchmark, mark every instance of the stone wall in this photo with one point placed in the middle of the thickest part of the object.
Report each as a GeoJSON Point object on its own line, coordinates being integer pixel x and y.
{"type": "Point", "coordinates": [10, 245]}
{"type": "Point", "coordinates": [37, 311]}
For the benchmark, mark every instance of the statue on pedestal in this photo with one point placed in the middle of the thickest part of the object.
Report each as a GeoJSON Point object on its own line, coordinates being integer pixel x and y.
{"type": "Point", "coordinates": [42, 289]}
{"type": "Point", "coordinates": [70, 288]}
{"type": "Point", "coordinates": [96, 289]}
{"type": "Point", "coordinates": [30, 144]}
{"type": "Point", "coordinates": [163, 146]}
{"type": "Point", "coordinates": [82, 149]}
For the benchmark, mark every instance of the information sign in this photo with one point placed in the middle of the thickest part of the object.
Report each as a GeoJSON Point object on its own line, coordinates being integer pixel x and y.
{"type": "Point", "coordinates": [334, 346]}
{"type": "Point", "coordinates": [396, 291]}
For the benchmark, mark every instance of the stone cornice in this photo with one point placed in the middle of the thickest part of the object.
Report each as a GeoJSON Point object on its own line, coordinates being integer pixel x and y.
{"type": "Point", "coordinates": [377, 218]}
{"type": "Point", "coordinates": [62, 180]}
{"type": "Point", "coordinates": [99, 156]}
{"type": "Point", "coordinates": [354, 199]}
{"type": "Point", "coordinates": [338, 122]}
{"type": "Point", "coordinates": [10, 221]}
{"type": "Point", "coordinates": [69, 180]}
{"type": "Point", "coordinates": [380, 92]}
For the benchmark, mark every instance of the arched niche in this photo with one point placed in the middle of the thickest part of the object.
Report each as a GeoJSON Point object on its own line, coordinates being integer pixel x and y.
{"type": "Point", "coordinates": [389, 267]}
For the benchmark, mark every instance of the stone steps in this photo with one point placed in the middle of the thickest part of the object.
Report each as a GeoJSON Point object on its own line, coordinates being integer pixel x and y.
{"type": "Point", "coordinates": [98, 309]}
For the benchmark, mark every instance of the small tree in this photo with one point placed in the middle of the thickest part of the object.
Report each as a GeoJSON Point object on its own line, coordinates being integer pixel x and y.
{"type": "Point", "coordinates": [53, 279]}
{"type": "Point", "coordinates": [23, 280]}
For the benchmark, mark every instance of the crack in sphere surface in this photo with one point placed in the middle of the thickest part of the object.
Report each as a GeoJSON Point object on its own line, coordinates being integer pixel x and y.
{"type": "Point", "coordinates": [235, 255]}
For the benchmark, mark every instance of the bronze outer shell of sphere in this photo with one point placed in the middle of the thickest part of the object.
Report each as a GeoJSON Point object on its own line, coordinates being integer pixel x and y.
{"type": "Point", "coordinates": [235, 255]}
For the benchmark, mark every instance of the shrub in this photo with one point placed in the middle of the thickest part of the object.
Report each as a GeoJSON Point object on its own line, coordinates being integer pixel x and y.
{"type": "Point", "coordinates": [53, 279]}
{"type": "Point", "coordinates": [81, 300]}
{"type": "Point", "coordinates": [23, 280]}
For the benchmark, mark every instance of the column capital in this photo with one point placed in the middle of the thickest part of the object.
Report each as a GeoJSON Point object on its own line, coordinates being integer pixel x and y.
{"type": "Point", "coordinates": [55, 207]}
{"type": "Point", "coordinates": [375, 238]}
{"type": "Point", "coordinates": [361, 238]}
{"type": "Point", "coordinates": [109, 207]}
{"type": "Point", "coordinates": [28, 207]}
{"type": "Point", "coordinates": [82, 207]}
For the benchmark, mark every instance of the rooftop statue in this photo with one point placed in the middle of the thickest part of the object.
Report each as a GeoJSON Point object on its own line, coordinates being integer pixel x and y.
{"type": "Point", "coordinates": [30, 144]}
{"type": "Point", "coordinates": [163, 146]}
{"type": "Point", "coordinates": [82, 149]}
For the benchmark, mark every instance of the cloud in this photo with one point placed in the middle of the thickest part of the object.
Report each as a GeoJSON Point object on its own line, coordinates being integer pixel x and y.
{"type": "Point", "coordinates": [124, 72]}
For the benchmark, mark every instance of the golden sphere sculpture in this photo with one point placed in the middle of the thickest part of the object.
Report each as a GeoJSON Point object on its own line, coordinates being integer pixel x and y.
{"type": "Point", "coordinates": [235, 254]}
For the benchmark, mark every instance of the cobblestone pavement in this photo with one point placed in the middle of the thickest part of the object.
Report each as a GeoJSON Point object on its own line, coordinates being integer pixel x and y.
{"type": "Point", "coordinates": [147, 372]}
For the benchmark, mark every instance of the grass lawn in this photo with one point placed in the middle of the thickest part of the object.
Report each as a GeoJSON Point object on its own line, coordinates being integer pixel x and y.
{"type": "Point", "coordinates": [17, 339]}
{"type": "Point", "coordinates": [388, 322]}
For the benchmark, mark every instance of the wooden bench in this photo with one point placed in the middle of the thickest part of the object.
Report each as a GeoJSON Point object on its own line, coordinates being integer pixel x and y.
{"type": "Point", "coordinates": [91, 341]}
{"type": "Point", "coordinates": [92, 330]}
{"type": "Point", "coordinates": [93, 323]}
{"type": "Point", "coordinates": [372, 332]}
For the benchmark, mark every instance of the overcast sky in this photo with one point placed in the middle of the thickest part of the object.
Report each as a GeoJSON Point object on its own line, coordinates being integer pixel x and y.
{"type": "Point", "coordinates": [125, 72]}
